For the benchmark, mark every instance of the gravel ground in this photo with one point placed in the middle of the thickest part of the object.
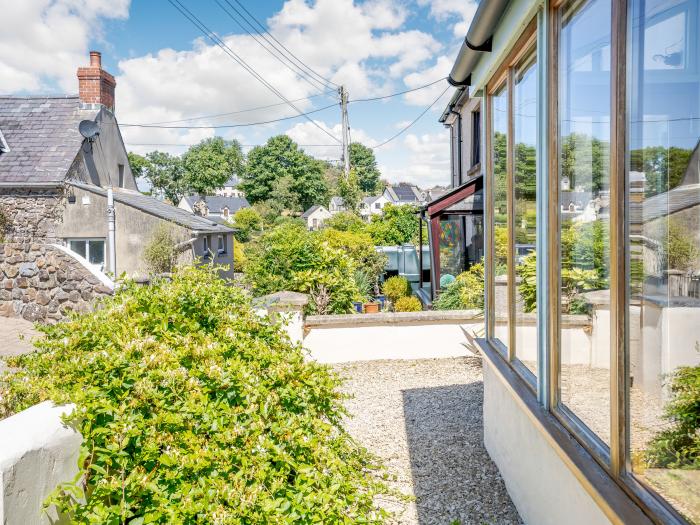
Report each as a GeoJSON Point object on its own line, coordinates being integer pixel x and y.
{"type": "Point", "coordinates": [423, 418]}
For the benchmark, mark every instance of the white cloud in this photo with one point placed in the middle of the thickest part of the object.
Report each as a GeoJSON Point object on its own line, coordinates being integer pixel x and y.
{"type": "Point", "coordinates": [42, 42]}
{"type": "Point", "coordinates": [307, 133]}
{"type": "Point", "coordinates": [449, 10]}
{"type": "Point", "coordinates": [423, 97]}
{"type": "Point", "coordinates": [427, 163]}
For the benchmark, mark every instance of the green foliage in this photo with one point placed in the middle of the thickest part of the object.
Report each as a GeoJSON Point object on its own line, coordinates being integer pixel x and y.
{"type": "Point", "coordinates": [248, 222]}
{"type": "Point", "coordinates": [346, 221]}
{"type": "Point", "coordinates": [527, 271]}
{"type": "Point", "coordinates": [398, 225]}
{"type": "Point", "coordinates": [349, 190]}
{"type": "Point", "coordinates": [160, 254]}
{"type": "Point", "coordinates": [679, 445]}
{"type": "Point", "coordinates": [359, 247]}
{"type": "Point", "coordinates": [465, 292]}
{"type": "Point", "coordinates": [679, 249]}
{"type": "Point", "coordinates": [165, 173]}
{"type": "Point", "coordinates": [289, 257]}
{"type": "Point", "coordinates": [586, 246]}
{"type": "Point", "coordinates": [209, 164]}
{"type": "Point", "coordinates": [4, 224]}
{"type": "Point", "coordinates": [239, 258]}
{"type": "Point", "coordinates": [396, 287]}
{"type": "Point", "coordinates": [138, 164]}
{"type": "Point", "coordinates": [663, 167]}
{"type": "Point", "coordinates": [408, 304]}
{"type": "Point", "coordinates": [364, 163]}
{"type": "Point", "coordinates": [281, 167]}
{"type": "Point", "coordinates": [500, 234]}
{"type": "Point", "coordinates": [585, 160]}
{"type": "Point", "coordinates": [193, 409]}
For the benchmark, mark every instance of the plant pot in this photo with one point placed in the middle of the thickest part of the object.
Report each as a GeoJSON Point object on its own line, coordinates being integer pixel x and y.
{"type": "Point", "coordinates": [357, 306]}
{"type": "Point", "coordinates": [371, 308]}
{"type": "Point", "coordinates": [382, 301]}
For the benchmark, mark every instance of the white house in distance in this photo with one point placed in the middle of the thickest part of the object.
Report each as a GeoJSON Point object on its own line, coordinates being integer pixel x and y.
{"type": "Point", "coordinates": [336, 205]}
{"type": "Point", "coordinates": [316, 216]}
{"type": "Point", "coordinates": [231, 189]}
{"type": "Point", "coordinates": [402, 193]}
{"type": "Point", "coordinates": [213, 205]}
{"type": "Point", "coordinates": [373, 205]}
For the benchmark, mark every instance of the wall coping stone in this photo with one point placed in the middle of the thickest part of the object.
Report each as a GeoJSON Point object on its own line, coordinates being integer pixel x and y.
{"type": "Point", "coordinates": [394, 318]}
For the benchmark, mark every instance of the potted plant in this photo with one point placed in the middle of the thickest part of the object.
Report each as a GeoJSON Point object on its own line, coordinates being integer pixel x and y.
{"type": "Point", "coordinates": [371, 308]}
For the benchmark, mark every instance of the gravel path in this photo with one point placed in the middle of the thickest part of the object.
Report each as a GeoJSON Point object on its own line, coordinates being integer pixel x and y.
{"type": "Point", "coordinates": [423, 418]}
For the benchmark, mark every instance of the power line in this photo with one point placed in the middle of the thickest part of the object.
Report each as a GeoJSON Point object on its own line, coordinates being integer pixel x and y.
{"type": "Point", "coordinates": [301, 63]}
{"type": "Point", "coordinates": [248, 110]}
{"type": "Point", "coordinates": [217, 115]}
{"type": "Point", "coordinates": [312, 81]}
{"type": "Point", "coordinates": [226, 126]}
{"type": "Point", "coordinates": [414, 120]}
{"type": "Point", "coordinates": [209, 34]}
{"type": "Point", "coordinates": [242, 145]}
{"type": "Point", "coordinates": [398, 93]}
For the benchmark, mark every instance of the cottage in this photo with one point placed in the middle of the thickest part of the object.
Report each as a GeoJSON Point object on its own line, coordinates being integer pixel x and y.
{"type": "Point", "coordinates": [213, 206]}
{"type": "Point", "coordinates": [65, 184]}
{"type": "Point", "coordinates": [316, 216]}
{"type": "Point", "coordinates": [372, 205]}
{"type": "Point", "coordinates": [336, 205]}
{"type": "Point", "coordinates": [231, 188]}
{"type": "Point", "coordinates": [582, 117]}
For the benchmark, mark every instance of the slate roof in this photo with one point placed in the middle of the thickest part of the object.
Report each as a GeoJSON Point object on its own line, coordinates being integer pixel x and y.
{"type": "Point", "coordinates": [311, 210]}
{"type": "Point", "coordinates": [160, 209]}
{"type": "Point", "coordinates": [338, 201]}
{"type": "Point", "coordinates": [232, 182]}
{"type": "Point", "coordinates": [403, 193]}
{"type": "Point", "coordinates": [42, 136]}
{"type": "Point", "coordinates": [370, 200]}
{"type": "Point", "coordinates": [216, 203]}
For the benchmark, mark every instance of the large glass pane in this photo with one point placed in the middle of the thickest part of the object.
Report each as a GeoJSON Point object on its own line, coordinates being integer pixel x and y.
{"type": "Point", "coordinates": [584, 198]}
{"type": "Point", "coordinates": [499, 141]}
{"type": "Point", "coordinates": [525, 127]}
{"type": "Point", "coordinates": [664, 249]}
{"type": "Point", "coordinates": [97, 251]}
{"type": "Point", "coordinates": [77, 246]}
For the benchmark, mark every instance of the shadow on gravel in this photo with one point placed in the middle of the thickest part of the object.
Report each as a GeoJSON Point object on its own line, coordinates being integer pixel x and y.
{"type": "Point", "coordinates": [454, 479]}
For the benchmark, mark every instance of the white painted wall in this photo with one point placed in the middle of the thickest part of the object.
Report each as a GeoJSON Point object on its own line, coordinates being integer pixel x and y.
{"type": "Point", "coordinates": [540, 484]}
{"type": "Point", "coordinates": [37, 452]}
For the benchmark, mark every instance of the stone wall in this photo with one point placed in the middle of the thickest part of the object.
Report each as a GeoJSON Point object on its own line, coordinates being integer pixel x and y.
{"type": "Point", "coordinates": [33, 214]}
{"type": "Point", "coordinates": [40, 282]}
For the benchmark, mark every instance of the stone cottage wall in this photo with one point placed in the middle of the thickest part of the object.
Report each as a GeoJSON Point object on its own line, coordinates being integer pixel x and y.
{"type": "Point", "coordinates": [40, 282]}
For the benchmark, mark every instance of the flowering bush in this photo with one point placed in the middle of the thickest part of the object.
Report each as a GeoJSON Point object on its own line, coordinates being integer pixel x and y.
{"type": "Point", "coordinates": [395, 288]}
{"type": "Point", "coordinates": [465, 292]}
{"type": "Point", "coordinates": [195, 410]}
{"type": "Point", "coordinates": [408, 304]}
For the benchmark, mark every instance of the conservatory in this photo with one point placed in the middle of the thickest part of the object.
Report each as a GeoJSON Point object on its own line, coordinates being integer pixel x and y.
{"type": "Point", "coordinates": [590, 120]}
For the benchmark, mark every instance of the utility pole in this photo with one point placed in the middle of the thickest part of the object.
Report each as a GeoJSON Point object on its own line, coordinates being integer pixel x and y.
{"type": "Point", "coordinates": [346, 129]}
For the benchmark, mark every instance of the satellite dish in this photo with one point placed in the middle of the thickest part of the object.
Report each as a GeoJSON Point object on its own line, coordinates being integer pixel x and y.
{"type": "Point", "coordinates": [89, 129]}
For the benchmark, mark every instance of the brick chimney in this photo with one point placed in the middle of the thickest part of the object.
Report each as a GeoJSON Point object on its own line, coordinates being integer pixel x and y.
{"type": "Point", "coordinates": [95, 85]}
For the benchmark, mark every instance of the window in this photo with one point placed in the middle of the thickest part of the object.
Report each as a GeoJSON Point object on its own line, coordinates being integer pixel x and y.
{"type": "Point", "coordinates": [377, 206]}
{"type": "Point", "coordinates": [93, 250]}
{"type": "Point", "coordinates": [663, 243]}
{"type": "Point", "coordinates": [225, 212]}
{"type": "Point", "coordinates": [476, 138]}
{"type": "Point", "coordinates": [222, 244]}
{"type": "Point", "coordinates": [120, 169]}
{"type": "Point", "coordinates": [206, 250]}
{"type": "Point", "coordinates": [584, 86]}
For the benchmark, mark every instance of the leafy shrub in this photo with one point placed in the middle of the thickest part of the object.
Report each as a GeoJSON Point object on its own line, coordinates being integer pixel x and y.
{"type": "Point", "coordinates": [527, 271]}
{"type": "Point", "coordinates": [239, 258]}
{"type": "Point", "coordinates": [291, 258]}
{"type": "Point", "coordinates": [359, 247]}
{"type": "Point", "coordinates": [248, 222]}
{"type": "Point", "coordinates": [465, 292]}
{"type": "Point", "coordinates": [346, 221]}
{"type": "Point", "coordinates": [195, 410]}
{"type": "Point", "coordinates": [160, 254]}
{"type": "Point", "coordinates": [4, 224]}
{"type": "Point", "coordinates": [680, 249]}
{"type": "Point", "coordinates": [397, 225]}
{"type": "Point", "coordinates": [396, 287]}
{"type": "Point", "coordinates": [408, 304]}
{"type": "Point", "coordinates": [679, 445]}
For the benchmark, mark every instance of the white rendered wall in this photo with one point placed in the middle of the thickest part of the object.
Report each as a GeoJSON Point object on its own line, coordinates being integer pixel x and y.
{"type": "Point", "coordinates": [37, 452]}
{"type": "Point", "coordinates": [541, 486]}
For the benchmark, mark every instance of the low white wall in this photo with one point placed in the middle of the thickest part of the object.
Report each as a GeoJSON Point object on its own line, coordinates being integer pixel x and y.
{"type": "Point", "coordinates": [415, 335]}
{"type": "Point", "coordinates": [37, 452]}
{"type": "Point", "coordinates": [540, 484]}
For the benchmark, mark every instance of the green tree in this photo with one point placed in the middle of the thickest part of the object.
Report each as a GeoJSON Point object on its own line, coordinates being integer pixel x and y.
{"type": "Point", "coordinates": [349, 190]}
{"type": "Point", "coordinates": [362, 160]}
{"type": "Point", "coordinates": [248, 222]}
{"type": "Point", "coordinates": [166, 175]}
{"type": "Point", "coordinates": [346, 221]}
{"type": "Point", "coordinates": [281, 158]}
{"type": "Point", "coordinates": [138, 164]}
{"type": "Point", "coordinates": [209, 164]}
{"type": "Point", "coordinates": [663, 167]}
{"type": "Point", "coordinates": [397, 225]}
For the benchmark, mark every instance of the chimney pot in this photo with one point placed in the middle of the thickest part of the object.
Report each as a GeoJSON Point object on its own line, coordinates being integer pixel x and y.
{"type": "Point", "coordinates": [95, 59]}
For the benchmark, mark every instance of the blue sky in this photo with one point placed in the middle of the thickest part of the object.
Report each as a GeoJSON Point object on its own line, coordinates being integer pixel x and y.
{"type": "Point", "coordinates": [166, 70]}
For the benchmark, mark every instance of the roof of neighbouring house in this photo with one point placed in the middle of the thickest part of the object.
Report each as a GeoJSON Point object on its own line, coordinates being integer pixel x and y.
{"type": "Point", "coordinates": [160, 209]}
{"type": "Point", "coordinates": [338, 201]}
{"type": "Point", "coordinates": [42, 136]}
{"type": "Point", "coordinates": [216, 203]}
{"type": "Point", "coordinates": [403, 193]}
{"type": "Point", "coordinates": [312, 210]}
{"type": "Point", "coordinates": [371, 199]}
{"type": "Point", "coordinates": [232, 182]}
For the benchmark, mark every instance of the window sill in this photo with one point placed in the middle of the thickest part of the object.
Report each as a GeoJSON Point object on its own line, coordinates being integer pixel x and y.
{"type": "Point", "coordinates": [617, 505]}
